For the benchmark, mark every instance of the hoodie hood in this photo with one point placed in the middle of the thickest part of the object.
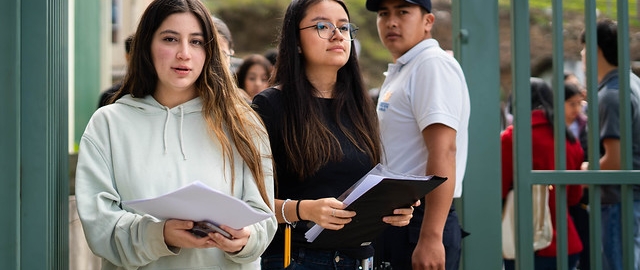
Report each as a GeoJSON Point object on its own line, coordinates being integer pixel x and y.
{"type": "Point", "coordinates": [150, 105]}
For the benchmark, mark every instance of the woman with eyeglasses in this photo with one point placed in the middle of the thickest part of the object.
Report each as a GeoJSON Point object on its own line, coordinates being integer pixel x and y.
{"type": "Point", "coordinates": [323, 132]}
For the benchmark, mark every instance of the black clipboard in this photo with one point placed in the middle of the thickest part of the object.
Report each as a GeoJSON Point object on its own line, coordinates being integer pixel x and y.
{"type": "Point", "coordinates": [370, 207]}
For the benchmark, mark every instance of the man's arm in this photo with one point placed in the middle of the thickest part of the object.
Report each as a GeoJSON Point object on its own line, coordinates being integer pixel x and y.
{"type": "Point", "coordinates": [441, 144]}
{"type": "Point", "coordinates": [611, 158]}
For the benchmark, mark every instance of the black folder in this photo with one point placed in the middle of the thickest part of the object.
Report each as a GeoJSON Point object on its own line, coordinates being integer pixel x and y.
{"type": "Point", "coordinates": [370, 207]}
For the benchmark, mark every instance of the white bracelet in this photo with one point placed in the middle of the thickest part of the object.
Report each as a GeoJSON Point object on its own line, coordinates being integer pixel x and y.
{"type": "Point", "coordinates": [283, 217]}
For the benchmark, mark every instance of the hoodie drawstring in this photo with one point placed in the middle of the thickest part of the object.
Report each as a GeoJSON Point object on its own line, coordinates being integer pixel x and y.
{"type": "Point", "coordinates": [166, 124]}
{"type": "Point", "coordinates": [181, 137]}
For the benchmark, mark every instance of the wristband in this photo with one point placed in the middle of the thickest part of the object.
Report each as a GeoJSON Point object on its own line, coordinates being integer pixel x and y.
{"type": "Point", "coordinates": [298, 210]}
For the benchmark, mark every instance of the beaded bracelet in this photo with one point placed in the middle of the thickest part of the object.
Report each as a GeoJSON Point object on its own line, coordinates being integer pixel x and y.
{"type": "Point", "coordinates": [298, 210]}
{"type": "Point", "coordinates": [283, 217]}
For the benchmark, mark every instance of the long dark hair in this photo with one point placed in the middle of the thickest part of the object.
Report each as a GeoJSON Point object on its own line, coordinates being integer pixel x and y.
{"type": "Point", "coordinates": [308, 140]}
{"type": "Point", "coordinates": [542, 99]}
{"type": "Point", "coordinates": [229, 118]}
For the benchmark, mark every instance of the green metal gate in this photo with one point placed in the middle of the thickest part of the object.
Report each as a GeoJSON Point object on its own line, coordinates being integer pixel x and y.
{"type": "Point", "coordinates": [522, 140]}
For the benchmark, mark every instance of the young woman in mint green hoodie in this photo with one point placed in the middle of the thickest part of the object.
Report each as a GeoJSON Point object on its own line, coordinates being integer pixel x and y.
{"type": "Point", "coordinates": [177, 119]}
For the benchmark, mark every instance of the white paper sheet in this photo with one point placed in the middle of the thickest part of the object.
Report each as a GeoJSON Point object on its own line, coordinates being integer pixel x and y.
{"type": "Point", "coordinates": [199, 202]}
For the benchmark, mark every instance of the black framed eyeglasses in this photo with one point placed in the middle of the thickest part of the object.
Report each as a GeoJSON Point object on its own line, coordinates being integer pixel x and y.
{"type": "Point", "coordinates": [326, 30]}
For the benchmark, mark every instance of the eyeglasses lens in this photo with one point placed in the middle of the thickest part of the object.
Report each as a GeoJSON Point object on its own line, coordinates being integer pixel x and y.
{"type": "Point", "coordinates": [326, 30]}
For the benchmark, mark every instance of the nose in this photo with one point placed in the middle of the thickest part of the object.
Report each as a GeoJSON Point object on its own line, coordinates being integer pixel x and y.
{"type": "Point", "coordinates": [183, 51]}
{"type": "Point", "coordinates": [340, 36]}
{"type": "Point", "coordinates": [392, 22]}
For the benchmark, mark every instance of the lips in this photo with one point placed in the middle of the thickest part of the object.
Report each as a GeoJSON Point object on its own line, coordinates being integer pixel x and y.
{"type": "Point", "coordinates": [393, 35]}
{"type": "Point", "coordinates": [336, 48]}
{"type": "Point", "coordinates": [181, 69]}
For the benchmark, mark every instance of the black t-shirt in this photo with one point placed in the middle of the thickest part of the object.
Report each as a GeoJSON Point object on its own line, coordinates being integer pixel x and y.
{"type": "Point", "coordinates": [330, 180]}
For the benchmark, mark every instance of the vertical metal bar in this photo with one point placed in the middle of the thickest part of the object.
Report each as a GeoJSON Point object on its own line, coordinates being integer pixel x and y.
{"type": "Point", "coordinates": [558, 87]}
{"type": "Point", "coordinates": [627, 216]}
{"type": "Point", "coordinates": [591, 74]}
{"type": "Point", "coordinates": [559, 134]}
{"type": "Point", "coordinates": [626, 159]}
{"type": "Point", "coordinates": [521, 73]}
{"type": "Point", "coordinates": [595, 213]}
{"type": "Point", "coordinates": [595, 227]}
{"type": "Point", "coordinates": [562, 261]}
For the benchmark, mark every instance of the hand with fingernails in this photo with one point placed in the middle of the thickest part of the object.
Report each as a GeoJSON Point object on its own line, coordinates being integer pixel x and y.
{"type": "Point", "coordinates": [330, 213]}
{"type": "Point", "coordinates": [176, 234]}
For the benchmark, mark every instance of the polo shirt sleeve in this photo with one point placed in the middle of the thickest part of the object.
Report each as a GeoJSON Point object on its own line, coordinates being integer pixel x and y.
{"type": "Point", "coordinates": [437, 92]}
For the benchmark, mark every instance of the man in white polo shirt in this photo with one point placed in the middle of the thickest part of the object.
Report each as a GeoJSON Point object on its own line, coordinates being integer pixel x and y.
{"type": "Point", "coordinates": [423, 108]}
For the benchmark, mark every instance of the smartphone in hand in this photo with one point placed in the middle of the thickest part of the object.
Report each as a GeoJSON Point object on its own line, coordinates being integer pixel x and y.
{"type": "Point", "coordinates": [203, 228]}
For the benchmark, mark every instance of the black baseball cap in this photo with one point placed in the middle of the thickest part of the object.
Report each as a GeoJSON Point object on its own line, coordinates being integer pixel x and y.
{"type": "Point", "coordinates": [373, 5]}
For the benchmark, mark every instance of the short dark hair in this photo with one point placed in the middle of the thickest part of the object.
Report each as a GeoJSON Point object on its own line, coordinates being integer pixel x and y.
{"type": "Point", "coordinates": [607, 38]}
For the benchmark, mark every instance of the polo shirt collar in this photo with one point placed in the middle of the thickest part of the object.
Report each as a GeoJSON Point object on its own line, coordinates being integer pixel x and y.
{"type": "Point", "coordinates": [417, 49]}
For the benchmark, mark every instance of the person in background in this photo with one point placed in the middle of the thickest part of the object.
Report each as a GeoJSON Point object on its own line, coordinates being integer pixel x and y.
{"type": "Point", "coordinates": [543, 159]}
{"type": "Point", "coordinates": [574, 117]}
{"type": "Point", "coordinates": [423, 110]}
{"type": "Point", "coordinates": [107, 94]}
{"type": "Point", "coordinates": [323, 132]}
{"type": "Point", "coordinates": [253, 75]}
{"type": "Point", "coordinates": [576, 122]}
{"type": "Point", "coordinates": [176, 119]}
{"type": "Point", "coordinates": [226, 43]}
{"type": "Point", "coordinates": [610, 154]}
{"type": "Point", "coordinates": [272, 55]}
{"type": "Point", "coordinates": [573, 79]}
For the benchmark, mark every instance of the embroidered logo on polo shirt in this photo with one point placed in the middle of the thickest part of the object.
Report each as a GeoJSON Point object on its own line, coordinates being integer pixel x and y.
{"type": "Point", "coordinates": [383, 105]}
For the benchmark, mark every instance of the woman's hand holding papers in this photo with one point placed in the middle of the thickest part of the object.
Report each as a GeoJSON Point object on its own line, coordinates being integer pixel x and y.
{"type": "Point", "coordinates": [328, 213]}
{"type": "Point", "coordinates": [401, 216]}
{"type": "Point", "coordinates": [176, 234]}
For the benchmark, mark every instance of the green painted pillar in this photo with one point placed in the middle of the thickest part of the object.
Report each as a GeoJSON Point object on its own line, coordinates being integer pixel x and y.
{"type": "Point", "coordinates": [87, 64]}
{"type": "Point", "coordinates": [33, 154]}
{"type": "Point", "coordinates": [475, 30]}
{"type": "Point", "coordinates": [10, 134]}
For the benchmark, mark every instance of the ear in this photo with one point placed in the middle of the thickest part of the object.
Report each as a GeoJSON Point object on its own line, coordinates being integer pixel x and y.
{"type": "Point", "coordinates": [428, 20]}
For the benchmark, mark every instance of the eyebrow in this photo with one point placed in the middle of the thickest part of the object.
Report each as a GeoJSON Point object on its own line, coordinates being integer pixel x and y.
{"type": "Point", "coordinates": [169, 31]}
{"type": "Point", "coordinates": [320, 18]}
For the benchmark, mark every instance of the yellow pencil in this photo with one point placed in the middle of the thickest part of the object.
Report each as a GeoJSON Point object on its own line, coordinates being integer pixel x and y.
{"type": "Point", "coordinates": [287, 245]}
